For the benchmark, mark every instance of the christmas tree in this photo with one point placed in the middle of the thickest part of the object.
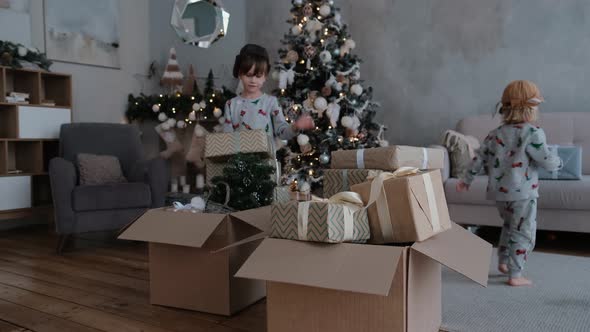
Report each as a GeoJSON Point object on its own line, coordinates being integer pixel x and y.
{"type": "Point", "coordinates": [172, 77]}
{"type": "Point", "coordinates": [318, 74]}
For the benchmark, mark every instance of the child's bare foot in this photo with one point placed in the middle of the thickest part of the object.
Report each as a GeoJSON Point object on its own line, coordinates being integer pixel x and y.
{"type": "Point", "coordinates": [519, 282]}
{"type": "Point", "coordinates": [503, 268]}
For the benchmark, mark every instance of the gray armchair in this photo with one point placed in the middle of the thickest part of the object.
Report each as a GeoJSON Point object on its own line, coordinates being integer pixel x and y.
{"type": "Point", "coordinates": [89, 208]}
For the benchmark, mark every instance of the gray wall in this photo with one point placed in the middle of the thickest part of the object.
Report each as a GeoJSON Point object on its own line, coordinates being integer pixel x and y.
{"type": "Point", "coordinates": [219, 57]}
{"type": "Point", "coordinates": [433, 62]}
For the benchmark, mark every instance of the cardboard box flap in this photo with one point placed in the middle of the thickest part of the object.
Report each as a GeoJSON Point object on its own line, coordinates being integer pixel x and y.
{"type": "Point", "coordinates": [259, 218]}
{"type": "Point", "coordinates": [247, 240]}
{"type": "Point", "coordinates": [347, 267]}
{"type": "Point", "coordinates": [460, 250]}
{"type": "Point", "coordinates": [179, 228]}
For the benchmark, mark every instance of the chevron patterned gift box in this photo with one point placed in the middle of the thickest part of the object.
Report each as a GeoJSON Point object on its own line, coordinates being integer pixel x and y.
{"type": "Point", "coordinates": [281, 194]}
{"type": "Point", "coordinates": [325, 222]}
{"type": "Point", "coordinates": [220, 146]}
{"type": "Point", "coordinates": [338, 180]}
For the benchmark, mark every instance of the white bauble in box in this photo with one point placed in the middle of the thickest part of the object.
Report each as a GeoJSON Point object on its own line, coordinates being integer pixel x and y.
{"type": "Point", "coordinates": [198, 203]}
{"type": "Point", "coordinates": [356, 89]}
{"type": "Point", "coordinates": [217, 112]}
{"type": "Point", "coordinates": [325, 10]}
{"type": "Point", "coordinates": [162, 117]}
{"type": "Point", "coordinates": [181, 124]}
{"type": "Point", "coordinates": [347, 121]}
{"type": "Point", "coordinates": [320, 104]}
{"type": "Point", "coordinates": [156, 108]}
{"type": "Point", "coordinates": [302, 140]}
{"type": "Point", "coordinates": [296, 30]}
{"type": "Point", "coordinates": [192, 116]}
{"type": "Point", "coordinates": [196, 107]}
{"type": "Point", "coordinates": [325, 56]}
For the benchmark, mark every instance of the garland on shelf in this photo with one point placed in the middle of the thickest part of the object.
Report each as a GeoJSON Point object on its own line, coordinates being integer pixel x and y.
{"type": "Point", "coordinates": [14, 55]}
{"type": "Point", "coordinates": [182, 107]}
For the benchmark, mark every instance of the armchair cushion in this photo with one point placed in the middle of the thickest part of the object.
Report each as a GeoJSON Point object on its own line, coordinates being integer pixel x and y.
{"type": "Point", "coordinates": [99, 169]}
{"type": "Point", "coordinates": [112, 196]}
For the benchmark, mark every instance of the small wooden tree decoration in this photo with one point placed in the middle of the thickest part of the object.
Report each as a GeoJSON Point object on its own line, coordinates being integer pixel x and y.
{"type": "Point", "coordinates": [172, 77]}
{"type": "Point", "coordinates": [191, 88]}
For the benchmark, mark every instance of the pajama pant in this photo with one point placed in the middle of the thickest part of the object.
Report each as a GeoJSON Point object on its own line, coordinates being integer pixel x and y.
{"type": "Point", "coordinates": [518, 233]}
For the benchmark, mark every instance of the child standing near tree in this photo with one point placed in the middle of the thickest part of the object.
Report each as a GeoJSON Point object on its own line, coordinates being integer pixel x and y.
{"type": "Point", "coordinates": [253, 109]}
{"type": "Point", "coordinates": [511, 155]}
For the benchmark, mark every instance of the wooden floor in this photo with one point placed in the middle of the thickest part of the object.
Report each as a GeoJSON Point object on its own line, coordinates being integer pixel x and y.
{"type": "Point", "coordinates": [102, 285]}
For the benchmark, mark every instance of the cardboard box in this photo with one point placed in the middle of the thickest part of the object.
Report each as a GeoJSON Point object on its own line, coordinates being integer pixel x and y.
{"type": "Point", "coordinates": [220, 146]}
{"type": "Point", "coordinates": [416, 205]}
{"type": "Point", "coordinates": [389, 158]}
{"type": "Point", "coordinates": [187, 268]}
{"type": "Point", "coordinates": [353, 287]}
{"type": "Point", "coordinates": [325, 222]}
{"type": "Point", "coordinates": [339, 180]}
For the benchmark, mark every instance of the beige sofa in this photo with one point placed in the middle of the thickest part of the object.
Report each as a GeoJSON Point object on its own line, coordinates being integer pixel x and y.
{"type": "Point", "coordinates": [563, 205]}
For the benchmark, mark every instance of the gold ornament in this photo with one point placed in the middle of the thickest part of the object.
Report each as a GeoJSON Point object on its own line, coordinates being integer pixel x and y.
{"type": "Point", "coordinates": [292, 56]}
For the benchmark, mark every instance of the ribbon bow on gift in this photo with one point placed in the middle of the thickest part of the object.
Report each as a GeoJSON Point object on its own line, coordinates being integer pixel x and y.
{"type": "Point", "coordinates": [379, 197]}
{"type": "Point", "coordinates": [350, 201]}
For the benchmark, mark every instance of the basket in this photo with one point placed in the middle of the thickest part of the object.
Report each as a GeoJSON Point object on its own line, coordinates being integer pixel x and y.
{"type": "Point", "coordinates": [214, 207]}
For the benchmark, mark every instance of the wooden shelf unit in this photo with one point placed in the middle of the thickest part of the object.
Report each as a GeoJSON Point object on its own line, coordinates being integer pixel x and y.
{"type": "Point", "coordinates": [29, 148]}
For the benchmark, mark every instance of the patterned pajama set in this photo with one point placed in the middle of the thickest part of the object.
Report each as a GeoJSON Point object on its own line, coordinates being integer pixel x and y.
{"type": "Point", "coordinates": [262, 113]}
{"type": "Point", "coordinates": [511, 156]}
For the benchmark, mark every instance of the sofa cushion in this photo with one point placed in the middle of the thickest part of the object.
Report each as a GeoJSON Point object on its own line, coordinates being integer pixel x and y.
{"type": "Point", "coordinates": [99, 169]}
{"type": "Point", "coordinates": [553, 194]}
{"type": "Point", "coordinates": [111, 196]}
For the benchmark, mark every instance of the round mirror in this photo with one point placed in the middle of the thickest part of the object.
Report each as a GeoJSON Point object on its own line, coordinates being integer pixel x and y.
{"type": "Point", "coordinates": [199, 22]}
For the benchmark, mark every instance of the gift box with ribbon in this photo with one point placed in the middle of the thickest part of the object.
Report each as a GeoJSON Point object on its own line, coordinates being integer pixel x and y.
{"type": "Point", "coordinates": [572, 164]}
{"type": "Point", "coordinates": [389, 158]}
{"type": "Point", "coordinates": [405, 206]}
{"type": "Point", "coordinates": [220, 146]}
{"type": "Point", "coordinates": [338, 180]}
{"type": "Point", "coordinates": [342, 218]}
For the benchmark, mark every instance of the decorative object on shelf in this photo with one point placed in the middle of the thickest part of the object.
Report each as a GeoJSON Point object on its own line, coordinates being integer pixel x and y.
{"type": "Point", "coordinates": [199, 22]}
{"type": "Point", "coordinates": [249, 177]}
{"type": "Point", "coordinates": [172, 78]}
{"type": "Point", "coordinates": [10, 56]}
{"type": "Point", "coordinates": [191, 87]}
{"type": "Point", "coordinates": [83, 31]}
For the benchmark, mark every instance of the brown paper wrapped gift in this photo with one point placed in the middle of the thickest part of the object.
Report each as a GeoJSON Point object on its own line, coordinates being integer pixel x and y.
{"type": "Point", "coordinates": [389, 158]}
{"type": "Point", "coordinates": [220, 146]}
{"type": "Point", "coordinates": [339, 180]}
{"type": "Point", "coordinates": [407, 206]}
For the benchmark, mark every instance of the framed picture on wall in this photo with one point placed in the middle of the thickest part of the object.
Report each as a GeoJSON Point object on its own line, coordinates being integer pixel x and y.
{"type": "Point", "coordinates": [83, 31]}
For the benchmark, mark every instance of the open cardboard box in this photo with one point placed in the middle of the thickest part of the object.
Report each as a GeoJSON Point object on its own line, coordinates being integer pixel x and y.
{"type": "Point", "coordinates": [193, 257]}
{"type": "Point", "coordinates": [351, 287]}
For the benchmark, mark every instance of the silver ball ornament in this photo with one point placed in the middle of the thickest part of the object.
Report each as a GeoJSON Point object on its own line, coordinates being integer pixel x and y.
{"type": "Point", "coordinates": [324, 158]}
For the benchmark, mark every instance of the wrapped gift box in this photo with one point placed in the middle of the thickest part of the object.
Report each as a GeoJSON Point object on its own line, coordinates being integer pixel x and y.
{"type": "Point", "coordinates": [220, 146]}
{"type": "Point", "coordinates": [389, 158]}
{"type": "Point", "coordinates": [572, 164]}
{"type": "Point", "coordinates": [323, 222]}
{"type": "Point", "coordinates": [282, 194]}
{"type": "Point", "coordinates": [406, 208]}
{"type": "Point", "coordinates": [338, 180]}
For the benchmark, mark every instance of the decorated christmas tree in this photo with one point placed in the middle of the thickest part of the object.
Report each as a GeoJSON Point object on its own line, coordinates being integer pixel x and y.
{"type": "Point", "coordinates": [319, 74]}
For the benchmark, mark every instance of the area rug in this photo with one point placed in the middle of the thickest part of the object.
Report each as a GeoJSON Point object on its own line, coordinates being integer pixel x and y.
{"type": "Point", "coordinates": [559, 300]}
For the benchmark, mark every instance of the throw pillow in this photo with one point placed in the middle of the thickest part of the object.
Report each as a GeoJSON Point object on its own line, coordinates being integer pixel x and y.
{"type": "Point", "coordinates": [462, 149]}
{"type": "Point", "coordinates": [99, 169]}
